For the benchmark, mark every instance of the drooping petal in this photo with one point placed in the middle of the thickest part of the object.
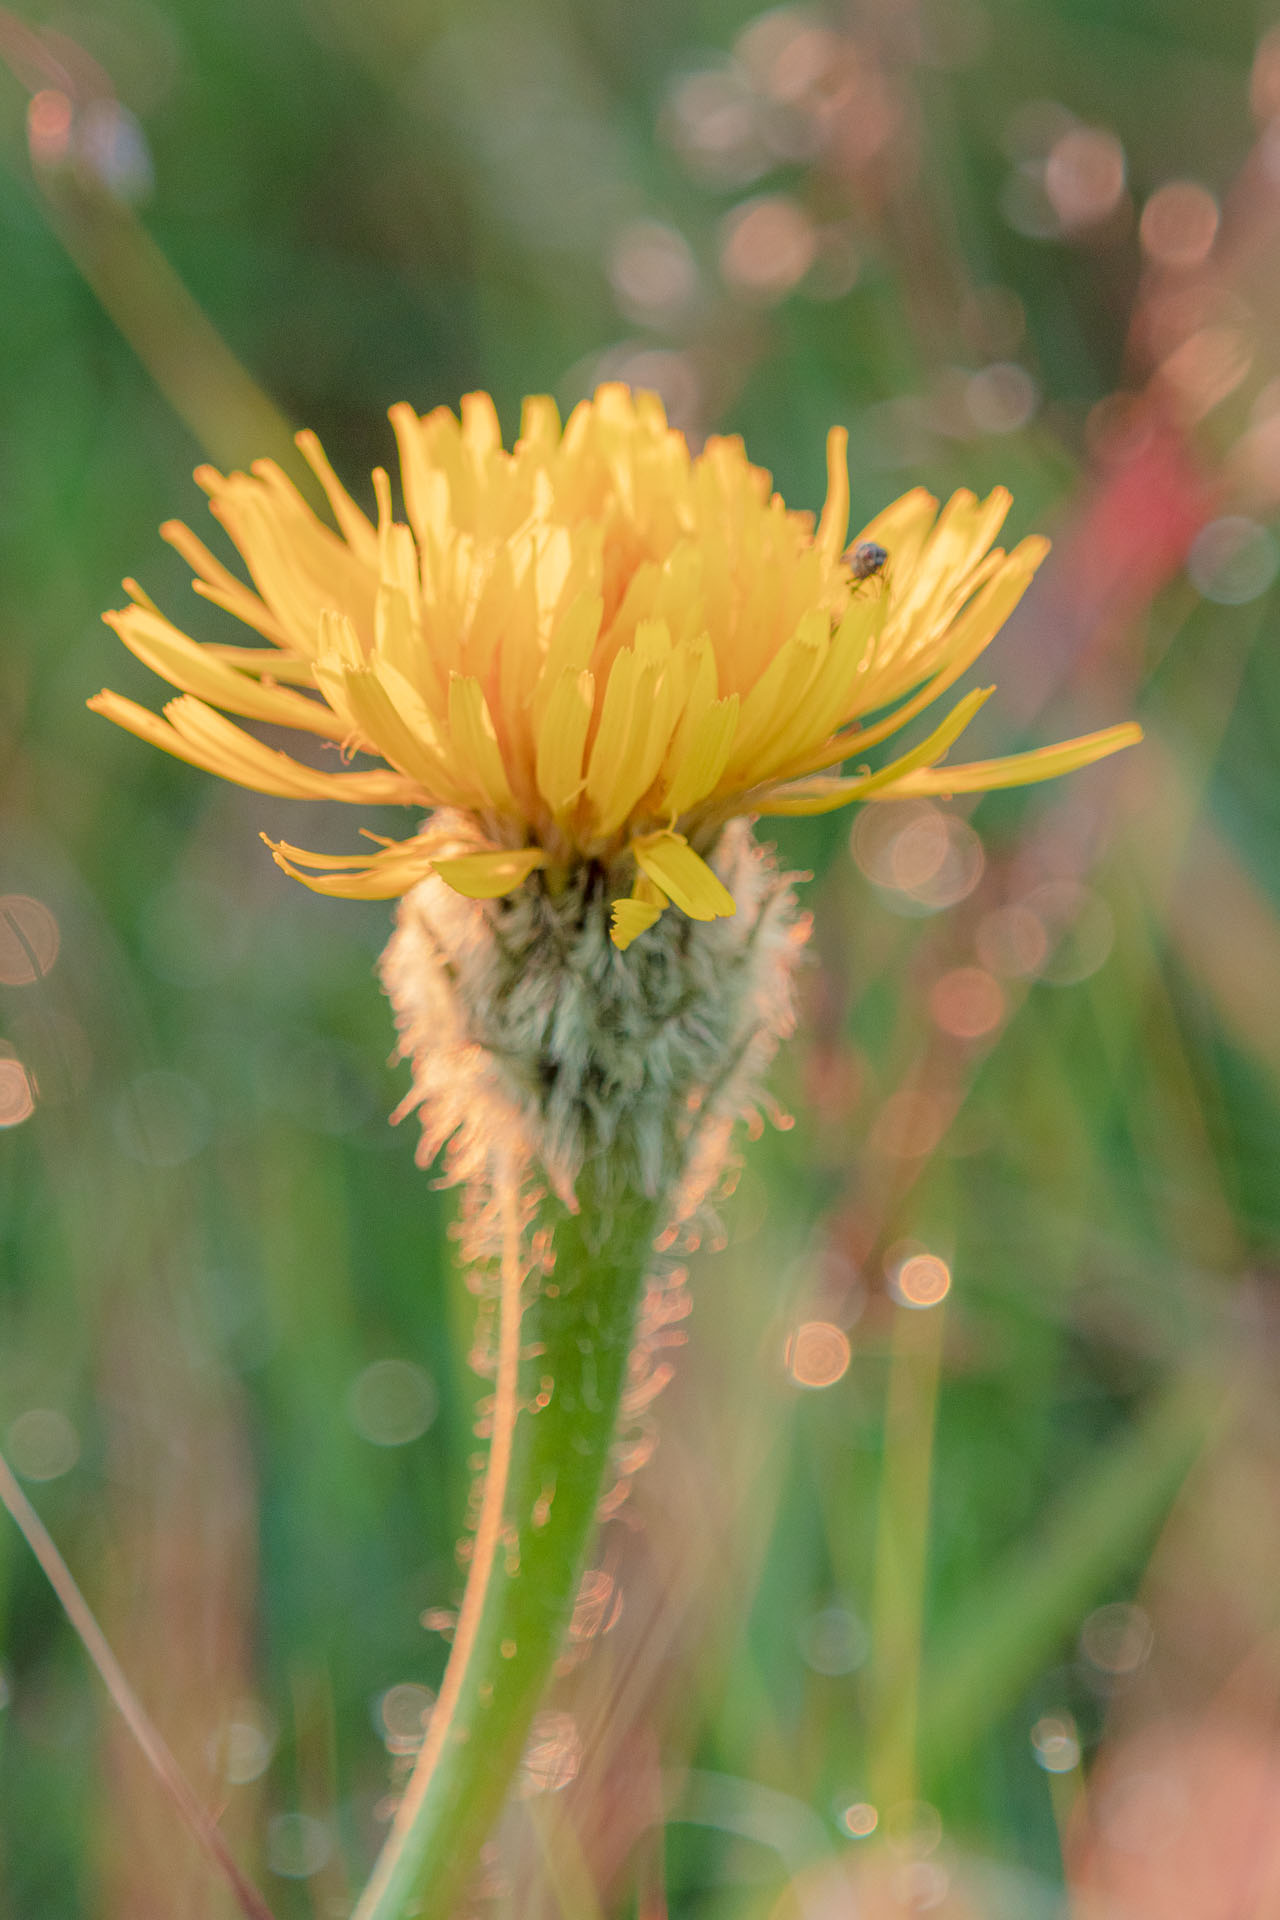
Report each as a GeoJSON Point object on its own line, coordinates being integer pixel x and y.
{"type": "Point", "coordinates": [486, 876]}
{"type": "Point", "coordinates": [629, 919]}
{"type": "Point", "coordinates": [671, 863]}
{"type": "Point", "coordinates": [359, 876]}
{"type": "Point", "coordinates": [402, 863]}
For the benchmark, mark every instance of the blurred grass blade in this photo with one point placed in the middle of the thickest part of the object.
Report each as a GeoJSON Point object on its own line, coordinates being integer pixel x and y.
{"type": "Point", "coordinates": [1011, 1626]}
{"type": "Point", "coordinates": [902, 1543]}
{"type": "Point", "coordinates": [182, 350]}
{"type": "Point", "coordinates": [144, 1730]}
{"type": "Point", "coordinates": [186, 356]}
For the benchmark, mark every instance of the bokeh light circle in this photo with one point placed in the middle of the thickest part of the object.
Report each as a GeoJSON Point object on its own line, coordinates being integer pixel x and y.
{"type": "Point", "coordinates": [392, 1402]}
{"type": "Point", "coordinates": [17, 1096]}
{"type": "Point", "coordinates": [1179, 224]}
{"type": "Point", "coordinates": [1232, 560]}
{"type": "Point", "coordinates": [42, 1444]}
{"type": "Point", "coordinates": [297, 1845]}
{"type": "Point", "coordinates": [1055, 1743]}
{"type": "Point", "coordinates": [818, 1354]}
{"type": "Point", "coordinates": [860, 1819]}
{"type": "Point", "coordinates": [403, 1712]}
{"type": "Point", "coordinates": [967, 1003]}
{"type": "Point", "coordinates": [922, 1280]}
{"type": "Point", "coordinates": [29, 939]}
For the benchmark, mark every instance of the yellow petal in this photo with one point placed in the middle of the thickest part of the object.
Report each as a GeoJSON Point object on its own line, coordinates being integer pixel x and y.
{"type": "Point", "coordinates": [475, 741]}
{"type": "Point", "coordinates": [426, 490]}
{"type": "Point", "coordinates": [833, 528]}
{"type": "Point", "coordinates": [967, 636]}
{"type": "Point", "coordinates": [384, 876]}
{"type": "Point", "coordinates": [622, 720]}
{"type": "Point", "coordinates": [195, 733]}
{"type": "Point", "coordinates": [697, 661]}
{"type": "Point", "coordinates": [540, 422]}
{"type": "Point", "coordinates": [932, 637]}
{"type": "Point", "coordinates": [1023, 769]}
{"type": "Point", "coordinates": [901, 529]}
{"type": "Point", "coordinates": [337, 640]}
{"type": "Point", "coordinates": [973, 631]}
{"type": "Point", "coordinates": [562, 740]}
{"type": "Point", "coordinates": [338, 862]}
{"type": "Point", "coordinates": [187, 666]}
{"type": "Point", "coordinates": [659, 689]}
{"type": "Point", "coordinates": [632, 917]}
{"type": "Point", "coordinates": [357, 529]}
{"type": "Point", "coordinates": [570, 648]}
{"type": "Point", "coordinates": [214, 582]}
{"type": "Point", "coordinates": [802, 746]}
{"type": "Point", "coordinates": [629, 919]}
{"type": "Point", "coordinates": [484, 876]}
{"type": "Point", "coordinates": [387, 722]}
{"type": "Point", "coordinates": [397, 635]}
{"type": "Point", "coordinates": [671, 863]}
{"type": "Point", "coordinates": [480, 429]}
{"type": "Point", "coordinates": [401, 864]}
{"type": "Point", "coordinates": [777, 695]}
{"type": "Point", "coordinates": [298, 565]}
{"type": "Point", "coordinates": [371, 884]}
{"type": "Point", "coordinates": [268, 663]}
{"type": "Point", "coordinates": [946, 552]}
{"type": "Point", "coordinates": [704, 758]}
{"type": "Point", "coordinates": [823, 796]}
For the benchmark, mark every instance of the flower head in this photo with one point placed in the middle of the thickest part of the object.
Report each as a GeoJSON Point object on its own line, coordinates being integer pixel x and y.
{"type": "Point", "coordinates": [598, 648]}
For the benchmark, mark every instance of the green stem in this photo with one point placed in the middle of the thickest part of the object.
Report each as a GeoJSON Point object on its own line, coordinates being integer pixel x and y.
{"type": "Point", "coordinates": [563, 1347]}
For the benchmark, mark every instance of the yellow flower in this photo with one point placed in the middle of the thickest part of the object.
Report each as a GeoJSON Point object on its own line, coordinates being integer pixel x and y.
{"type": "Point", "coordinates": [598, 647]}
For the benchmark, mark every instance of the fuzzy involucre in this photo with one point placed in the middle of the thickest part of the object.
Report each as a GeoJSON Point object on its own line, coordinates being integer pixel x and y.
{"type": "Point", "coordinates": [537, 1046]}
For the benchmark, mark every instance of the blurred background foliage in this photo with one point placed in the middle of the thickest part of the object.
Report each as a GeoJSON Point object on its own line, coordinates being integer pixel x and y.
{"type": "Point", "coordinates": [962, 1604]}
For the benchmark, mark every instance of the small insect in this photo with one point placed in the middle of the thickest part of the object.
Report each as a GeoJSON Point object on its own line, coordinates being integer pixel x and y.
{"type": "Point", "coordinates": [866, 560]}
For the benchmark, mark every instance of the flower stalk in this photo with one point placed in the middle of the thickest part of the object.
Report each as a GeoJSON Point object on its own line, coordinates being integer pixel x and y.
{"type": "Point", "coordinates": [566, 1327]}
{"type": "Point", "coordinates": [584, 1099]}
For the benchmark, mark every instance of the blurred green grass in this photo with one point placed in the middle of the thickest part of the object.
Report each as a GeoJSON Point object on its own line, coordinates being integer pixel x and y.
{"type": "Point", "coordinates": [196, 1269]}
